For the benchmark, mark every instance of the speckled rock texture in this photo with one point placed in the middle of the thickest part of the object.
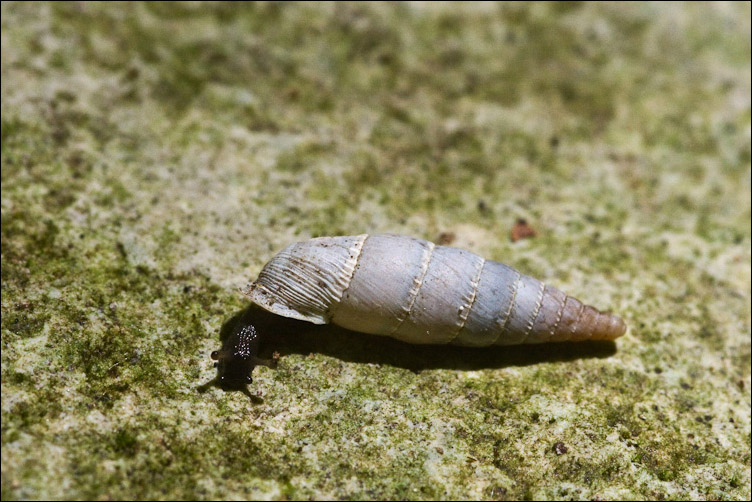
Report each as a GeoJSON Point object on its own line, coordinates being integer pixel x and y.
{"type": "Point", "coordinates": [155, 156]}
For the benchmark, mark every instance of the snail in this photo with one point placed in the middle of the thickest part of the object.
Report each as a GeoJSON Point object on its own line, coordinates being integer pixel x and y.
{"type": "Point", "coordinates": [412, 290]}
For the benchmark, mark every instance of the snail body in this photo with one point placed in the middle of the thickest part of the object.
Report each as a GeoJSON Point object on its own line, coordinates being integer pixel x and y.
{"type": "Point", "coordinates": [421, 293]}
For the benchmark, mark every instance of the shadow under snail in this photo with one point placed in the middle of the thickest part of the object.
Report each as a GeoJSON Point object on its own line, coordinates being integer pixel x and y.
{"type": "Point", "coordinates": [412, 290]}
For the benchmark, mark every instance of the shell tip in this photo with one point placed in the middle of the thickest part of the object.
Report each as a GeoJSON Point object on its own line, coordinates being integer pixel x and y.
{"type": "Point", "coordinates": [622, 328]}
{"type": "Point", "coordinates": [617, 327]}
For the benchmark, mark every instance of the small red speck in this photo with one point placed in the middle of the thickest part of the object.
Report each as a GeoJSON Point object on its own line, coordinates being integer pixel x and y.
{"type": "Point", "coordinates": [446, 238]}
{"type": "Point", "coordinates": [521, 230]}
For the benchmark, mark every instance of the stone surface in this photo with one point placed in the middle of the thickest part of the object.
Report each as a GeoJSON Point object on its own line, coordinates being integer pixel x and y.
{"type": "Point", "coordinates": [154, 156]}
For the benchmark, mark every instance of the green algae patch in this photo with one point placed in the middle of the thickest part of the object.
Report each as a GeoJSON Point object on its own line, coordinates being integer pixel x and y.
{"type": "Point", "coordinates": [156, 155]}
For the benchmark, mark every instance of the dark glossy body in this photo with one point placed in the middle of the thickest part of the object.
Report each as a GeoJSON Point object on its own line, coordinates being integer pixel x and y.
{"type": "Point", "coordinates": [238, 357]}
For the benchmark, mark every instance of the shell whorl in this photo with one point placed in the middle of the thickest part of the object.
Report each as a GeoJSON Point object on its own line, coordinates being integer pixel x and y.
{"type": "Point", "coordinates": [306, 279]}
{"type": "Point", "coordinates": [418, 292]}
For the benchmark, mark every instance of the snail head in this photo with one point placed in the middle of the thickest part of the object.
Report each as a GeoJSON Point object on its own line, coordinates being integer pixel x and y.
{"type": "Point", "coordinates": [238, 356]}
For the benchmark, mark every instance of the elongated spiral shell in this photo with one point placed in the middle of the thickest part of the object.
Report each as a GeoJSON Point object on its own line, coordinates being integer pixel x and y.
{"type": "Point", "coordinates": [419, 292]}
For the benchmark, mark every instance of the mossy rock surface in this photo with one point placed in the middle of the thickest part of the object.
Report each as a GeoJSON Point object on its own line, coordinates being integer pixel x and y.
{"type": "Point", "coordinates": [155, 156]}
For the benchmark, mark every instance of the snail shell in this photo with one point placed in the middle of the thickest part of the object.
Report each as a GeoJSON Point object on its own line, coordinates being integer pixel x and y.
{"type": "Point", "coordinates": [419, 292]}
